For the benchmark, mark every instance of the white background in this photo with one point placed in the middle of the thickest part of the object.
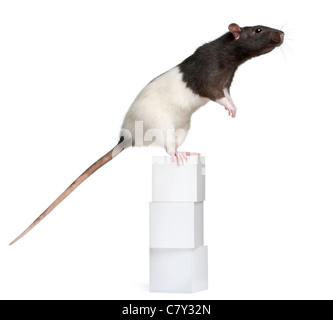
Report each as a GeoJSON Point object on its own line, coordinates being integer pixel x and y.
{"type": "Point", "coordinates": [69, 71]}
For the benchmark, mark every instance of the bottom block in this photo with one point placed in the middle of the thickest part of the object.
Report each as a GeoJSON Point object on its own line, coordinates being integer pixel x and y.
{"type": "Point", "coordinates": [179, 270]}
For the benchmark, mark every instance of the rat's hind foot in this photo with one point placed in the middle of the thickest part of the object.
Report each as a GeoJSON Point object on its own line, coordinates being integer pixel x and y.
{"type": "Point", "coordinates": [181, 157]}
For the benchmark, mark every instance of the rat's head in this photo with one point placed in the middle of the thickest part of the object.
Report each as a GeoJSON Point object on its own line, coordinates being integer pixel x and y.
{"type": "Point", "coordinates": [255, 41]}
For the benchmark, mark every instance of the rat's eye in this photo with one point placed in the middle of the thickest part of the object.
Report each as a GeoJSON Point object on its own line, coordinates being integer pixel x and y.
{"type": "Point", "coordinates": [258, 30]}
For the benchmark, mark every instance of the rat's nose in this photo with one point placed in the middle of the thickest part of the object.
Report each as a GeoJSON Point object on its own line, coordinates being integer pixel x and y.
{"type": "Point", "coordinates": [282, 36]}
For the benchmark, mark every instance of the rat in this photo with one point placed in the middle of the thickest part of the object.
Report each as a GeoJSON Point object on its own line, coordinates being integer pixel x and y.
{"type": "Point", "coordinates": [162, 111]}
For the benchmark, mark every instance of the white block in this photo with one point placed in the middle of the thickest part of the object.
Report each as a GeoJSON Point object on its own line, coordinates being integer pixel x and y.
{"type": "Point", "coordinates": [173, 182]}
{"type": "Point", "coordinates": [179, 270]}
{"type": "Point", "coordinates": [176, 225]}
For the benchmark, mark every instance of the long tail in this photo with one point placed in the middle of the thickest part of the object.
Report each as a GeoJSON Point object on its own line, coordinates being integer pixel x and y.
{"type": "Point", "coordinates": [98, 164]}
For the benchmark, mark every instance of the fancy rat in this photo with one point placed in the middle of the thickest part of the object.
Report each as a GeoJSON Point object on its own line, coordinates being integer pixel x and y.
{"type": "Point", "coordinates": [161, 113]}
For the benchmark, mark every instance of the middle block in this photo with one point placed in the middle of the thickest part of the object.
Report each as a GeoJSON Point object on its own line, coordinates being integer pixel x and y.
{"type": "Point", "coordinates": [176, 225]}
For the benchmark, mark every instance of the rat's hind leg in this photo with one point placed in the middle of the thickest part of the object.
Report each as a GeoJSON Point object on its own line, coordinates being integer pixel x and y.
{"type": "Point", "coordinates": [175, 139]}
{"type": "Point", "coordinates": [180, 156]}
{"type": "Point", "coordinates": [176, 156]}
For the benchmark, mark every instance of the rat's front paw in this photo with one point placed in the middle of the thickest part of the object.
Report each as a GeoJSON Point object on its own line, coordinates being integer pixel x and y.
{"type": "Point", "coordinates": [232, 110]}
{"type": "Point", "coordinates": [229, 105]}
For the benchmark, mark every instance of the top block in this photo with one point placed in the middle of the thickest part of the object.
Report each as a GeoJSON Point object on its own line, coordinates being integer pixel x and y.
{"type": "Point", "coordinates": [173, 182]}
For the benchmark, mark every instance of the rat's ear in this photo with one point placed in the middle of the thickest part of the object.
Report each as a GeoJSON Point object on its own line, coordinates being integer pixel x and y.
{"type": "Point", "coordinates": [236, 30]}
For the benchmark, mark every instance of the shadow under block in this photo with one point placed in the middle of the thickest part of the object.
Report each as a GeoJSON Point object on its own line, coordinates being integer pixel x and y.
{"type": "Point", "coordinates": [179, 270]}
{"type": "Point", "coordinates": [176, 225]}
{"type": "Point", "coordinates": [173, 182]}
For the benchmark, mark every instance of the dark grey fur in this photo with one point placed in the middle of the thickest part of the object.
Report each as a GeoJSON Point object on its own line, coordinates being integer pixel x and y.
{"type": "Point", "coordinates": [212, 66]}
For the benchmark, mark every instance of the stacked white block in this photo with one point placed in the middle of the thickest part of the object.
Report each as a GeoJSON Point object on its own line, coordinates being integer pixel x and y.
{"type": "Point", "coordinates": [173, 182]}
{"type": "Point", "coordinates": [178, 257]}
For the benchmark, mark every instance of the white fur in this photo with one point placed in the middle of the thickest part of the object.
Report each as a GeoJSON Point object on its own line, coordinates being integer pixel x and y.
{"type": "Point", "coordinates": [164, 107]}
{"type": "Point", "coordinates": [227, 102]}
